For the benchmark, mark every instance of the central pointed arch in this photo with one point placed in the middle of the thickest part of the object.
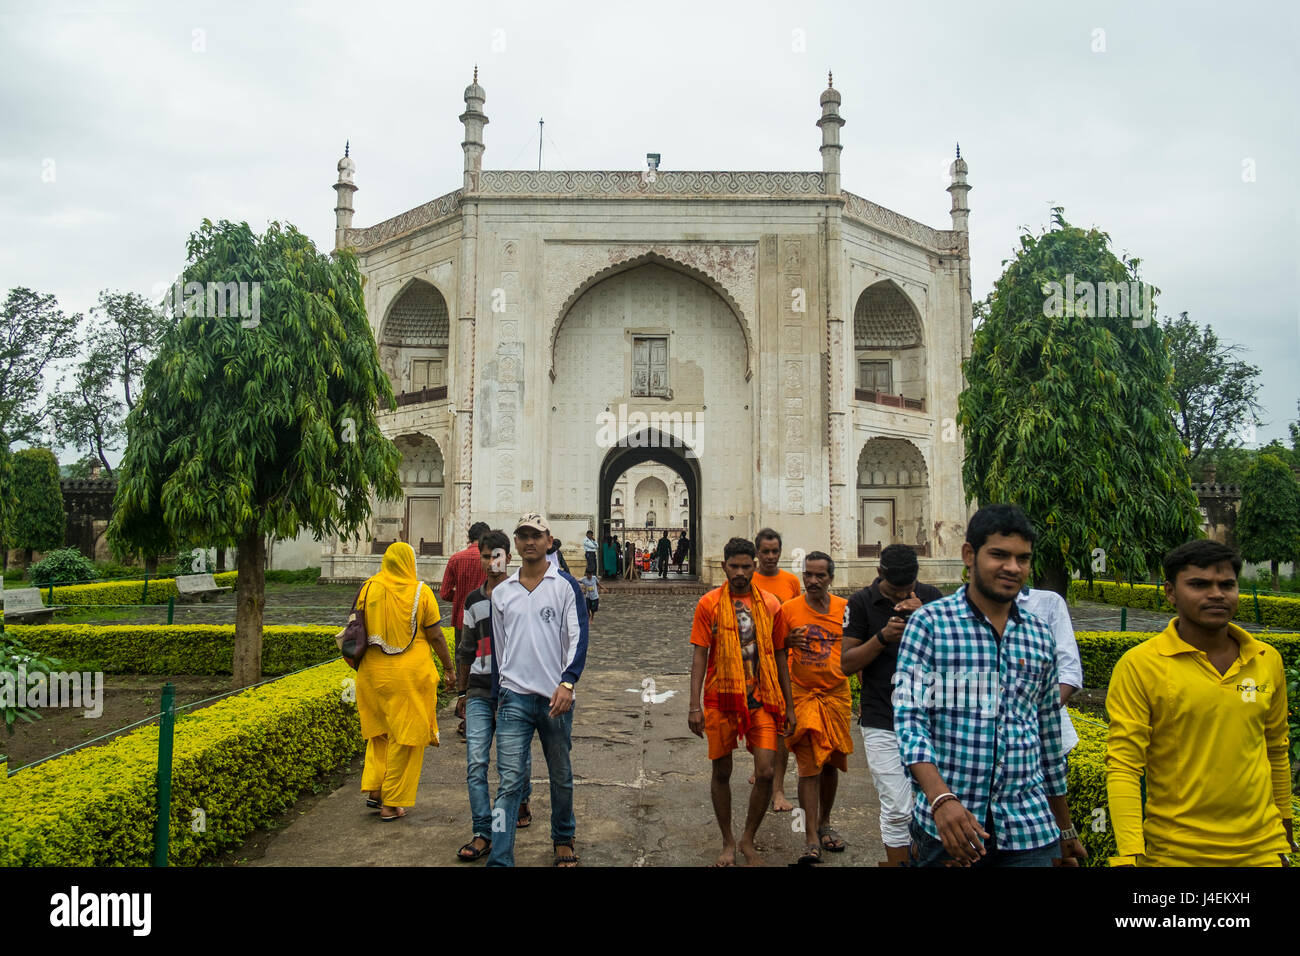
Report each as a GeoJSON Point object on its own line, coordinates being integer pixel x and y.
{"type": "Point", "coordinates": [667, 262]}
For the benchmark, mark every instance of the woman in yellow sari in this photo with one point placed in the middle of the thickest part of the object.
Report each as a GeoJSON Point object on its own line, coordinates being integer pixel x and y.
{"type": "Point", "coordinates": [397, 686]}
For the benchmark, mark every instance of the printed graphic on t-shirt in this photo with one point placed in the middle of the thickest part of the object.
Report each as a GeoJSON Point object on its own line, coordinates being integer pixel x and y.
{"type": "Point", "coordinates": [748, 650]}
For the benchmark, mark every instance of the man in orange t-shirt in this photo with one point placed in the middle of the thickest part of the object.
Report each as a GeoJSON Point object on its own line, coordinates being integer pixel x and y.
{"type": "Point", "coordinates": [811, 627]}
{"type": "Point", "coordinates": [773, 579]}
{"type": "Point", "coordinates": [739, 687]}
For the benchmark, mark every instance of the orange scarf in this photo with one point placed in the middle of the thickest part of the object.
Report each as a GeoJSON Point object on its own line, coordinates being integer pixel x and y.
{"type": "Point", "coordinates": [729, 667]}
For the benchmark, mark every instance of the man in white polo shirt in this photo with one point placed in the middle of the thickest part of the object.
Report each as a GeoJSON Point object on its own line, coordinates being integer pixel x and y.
{"type": "Point", "coordinates": [539, 645]}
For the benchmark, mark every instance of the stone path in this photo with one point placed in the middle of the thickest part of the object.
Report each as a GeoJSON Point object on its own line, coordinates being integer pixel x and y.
{"type": "Point", "coordinates": [641, 779]}
{"type": "Point", "coordinates": [641, 792]}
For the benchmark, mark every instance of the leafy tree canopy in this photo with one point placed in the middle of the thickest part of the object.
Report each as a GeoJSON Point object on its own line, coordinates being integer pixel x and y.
{"type": "Point", "coordinates": [1068, 412]}
{"type": "Point", "coordinates": [1268, 522]}
{"type": "Point", "coordinates": [37, 520]}
{"type": "Point", "coordinates": [1215, 392]}
{"type": "Point", "coordinates": [34, 332]}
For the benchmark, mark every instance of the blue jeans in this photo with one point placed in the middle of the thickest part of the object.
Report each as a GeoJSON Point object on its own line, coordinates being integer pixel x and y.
{"type": "Point", "coordinates": [929, 851]}
{"type": "Point", "coordinates": [480, 723]}
{"type": "Point", "coordinates": [519, 716]}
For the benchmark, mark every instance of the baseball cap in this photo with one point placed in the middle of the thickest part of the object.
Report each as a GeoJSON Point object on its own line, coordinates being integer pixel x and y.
{"type": "Point", "coordinates": [535, 521]}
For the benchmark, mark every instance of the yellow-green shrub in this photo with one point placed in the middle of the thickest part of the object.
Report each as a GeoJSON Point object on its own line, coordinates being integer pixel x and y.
{"type": "Point", "coordinates": [241, 761]}
{"type": "Point", "coordinates": [1273, 611]}
{"type": "Point", "coordinates": [1086, 789]}
{"type": "Point", "coordinates": [124, 592]}
{"type": "Point", "coordinates": [180, 649]}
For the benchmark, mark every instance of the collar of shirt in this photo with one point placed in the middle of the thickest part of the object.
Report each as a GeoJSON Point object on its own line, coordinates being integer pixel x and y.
{"type": "Point", "coordinates": [1169, 642]}
{"type": "Point", "coordinates": [552, 571]}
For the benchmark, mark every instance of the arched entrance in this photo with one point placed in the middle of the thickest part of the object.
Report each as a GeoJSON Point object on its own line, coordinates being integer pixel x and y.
{"type": "Point", "coordinates": [651, 364]}
{"type": "Point", "coordinates": [652, 445]}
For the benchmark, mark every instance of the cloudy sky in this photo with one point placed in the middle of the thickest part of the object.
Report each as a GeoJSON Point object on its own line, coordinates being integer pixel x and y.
{"type": "Point", "coordinates": [1172, 126]}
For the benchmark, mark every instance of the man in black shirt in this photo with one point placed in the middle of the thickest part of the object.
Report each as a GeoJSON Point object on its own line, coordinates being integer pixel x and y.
{"type": "Point", "coordinates": [873, 628]}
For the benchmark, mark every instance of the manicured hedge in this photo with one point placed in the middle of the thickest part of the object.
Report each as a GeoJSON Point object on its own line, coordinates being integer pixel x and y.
{"type": "Point", "coordinates": [180, 649]}
{"type": "Point", "coordinates": [1086, 789]}
{"type": "Point", "coordinates": [1100, 651]}
{"type": "Point", "coordinates": [124, 592]}
{"type": "Point", "coordinates": [1274, 611]}
{"type": "Point", "coordinates": [241, 761]}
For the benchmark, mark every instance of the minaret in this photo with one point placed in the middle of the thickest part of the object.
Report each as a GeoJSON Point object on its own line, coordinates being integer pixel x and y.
{"type": "Point", "coordinates": [474, 120]}
{"type": "Point", "coordinates": [345, 187]}
{"type": "Point", "coordinates": [959, 189]}
{"type": "Point", "coordinates": [830, 124]}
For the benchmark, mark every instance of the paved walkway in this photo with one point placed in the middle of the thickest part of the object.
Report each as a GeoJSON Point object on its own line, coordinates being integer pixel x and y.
{"type": "Point", "coordinates": [641, 792]}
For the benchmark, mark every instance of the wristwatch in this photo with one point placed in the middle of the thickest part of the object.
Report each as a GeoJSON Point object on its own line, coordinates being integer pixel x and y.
{"type": "Point", "coordinates": [568, 684]}
{"type": "Point", "coordinates": [1070, 834]}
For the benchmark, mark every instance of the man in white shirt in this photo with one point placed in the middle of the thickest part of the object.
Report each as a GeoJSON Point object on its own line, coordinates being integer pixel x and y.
{"type": "Point", "coordinates": [539, 647]}
{"type": "Point", "coordinates": [1050, 608]}
{"type": "Point", "coordinates": [589, 550]}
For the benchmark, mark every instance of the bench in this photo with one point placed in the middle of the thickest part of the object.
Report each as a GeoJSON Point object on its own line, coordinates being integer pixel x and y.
{"type": "Point", "coordinates": [197, 587]}
{"type": "Point", "coordinates": [24, 607]}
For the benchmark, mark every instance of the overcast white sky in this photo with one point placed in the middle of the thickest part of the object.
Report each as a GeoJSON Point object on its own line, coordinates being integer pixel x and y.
{"type": "Point", "coordinates": [149, 117]}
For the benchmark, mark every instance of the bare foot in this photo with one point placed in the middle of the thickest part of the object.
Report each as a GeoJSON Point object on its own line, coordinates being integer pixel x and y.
{"type": "Point", "coordinates": [751, 854]}
{"type": "Point", "coordinates": [780, 804]}
{"type": "Point", "coordinates": [397, 814]}
{"type": "Point", "coordinates": [727, 857]}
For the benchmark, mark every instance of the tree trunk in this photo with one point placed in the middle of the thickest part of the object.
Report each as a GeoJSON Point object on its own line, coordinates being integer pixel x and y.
{"type": "Point", "coordinates": [250, 602]}
{"type": "Point", "coordinates": [1273, 565]}
{"type": "Point", "coordinates": [151, 564]}
{"type": "Point", "coordinates": [221, 560]}
{"type": "Point", "coordinates": [1055, 578]}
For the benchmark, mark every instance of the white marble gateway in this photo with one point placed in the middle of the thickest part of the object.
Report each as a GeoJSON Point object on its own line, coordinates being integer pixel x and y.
{"type": "Point", "coordinates": [767, 347]}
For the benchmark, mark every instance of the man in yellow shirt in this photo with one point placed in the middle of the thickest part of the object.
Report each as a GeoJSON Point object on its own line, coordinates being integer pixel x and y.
{"type": "Point", "coordinates": [1201, 708]}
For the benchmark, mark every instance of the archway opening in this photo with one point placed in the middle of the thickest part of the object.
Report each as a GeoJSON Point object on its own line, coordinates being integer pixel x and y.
{"type": "Point", "coordinates": [893, 497]}
{"type": "Point", "coordinates": [650, 485]}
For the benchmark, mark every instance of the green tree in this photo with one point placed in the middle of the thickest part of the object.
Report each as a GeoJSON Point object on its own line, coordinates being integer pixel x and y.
{"type": "Point", "coordinates": [1068, 412]}
{"type": "Point", "coordinates": [35, 333]}
{"type": "Point", "coordinates": [115, 350]}
{"type": "Point", "coordinates": [37, 521]}
{"type": "Point", "coordinates": [6, 498]}
{"type": "Point", "coordinates": [1215, 392]}
{"type": "Point", "coordinates": [252, 425]}
{"type": "Point", "coordinates": [1268, 521]}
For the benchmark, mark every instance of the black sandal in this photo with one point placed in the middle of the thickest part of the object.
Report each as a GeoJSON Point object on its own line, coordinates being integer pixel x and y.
{"type": "Point", "coordinates": [474, 854]}
{"type": "Point", "coordinates": [525, 818]}
{"type": "Point", "coordinates": [836, 844]}
{"type": "Point", "coordinates": [812, 853]}
{"type": "Point", "coordinates": [567, 862]}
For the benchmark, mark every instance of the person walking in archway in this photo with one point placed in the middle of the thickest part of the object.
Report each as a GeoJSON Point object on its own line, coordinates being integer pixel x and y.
{"type": "Point", "coordinates": [663, 552]}
{"type": "Point", "coordinates": [610, 560]}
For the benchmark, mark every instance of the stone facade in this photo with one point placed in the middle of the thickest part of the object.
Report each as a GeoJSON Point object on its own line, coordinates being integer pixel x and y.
{"type": "Point", "coordinates": [789, 352]}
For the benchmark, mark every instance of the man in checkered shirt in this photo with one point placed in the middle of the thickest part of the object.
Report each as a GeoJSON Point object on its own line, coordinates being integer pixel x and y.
{"type": "Point", "coordinates": [976, 703]}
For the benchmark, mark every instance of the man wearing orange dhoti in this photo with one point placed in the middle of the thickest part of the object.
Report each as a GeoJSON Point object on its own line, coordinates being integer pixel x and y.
{"type": "Point", "coordinates": [810, 628]}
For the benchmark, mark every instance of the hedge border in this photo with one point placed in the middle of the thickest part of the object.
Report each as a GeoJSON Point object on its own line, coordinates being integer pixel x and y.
{"type": "Point", "coordinates": [1100, 651]}
{"type": "Point", "coordinates": [197, 649]}
{"type": "Point", "coordinates": [123, 592]}
{"type": "Point", "coordinates": [242, 761]}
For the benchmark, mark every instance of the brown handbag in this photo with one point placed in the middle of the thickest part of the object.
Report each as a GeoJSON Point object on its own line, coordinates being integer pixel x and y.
{"type": "Point", "coordinates": [354, 639]}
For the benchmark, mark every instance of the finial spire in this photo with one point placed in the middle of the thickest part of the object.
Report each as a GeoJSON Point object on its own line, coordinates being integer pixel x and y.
{"type": "Point", "coordinates": [959, 150]}
{"type": "Point", "coordinates": [475, 72]}
{"type": "Point", "coordinates": [347, 146]}
{"type": "Point", "coordinates": [830, 80]}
